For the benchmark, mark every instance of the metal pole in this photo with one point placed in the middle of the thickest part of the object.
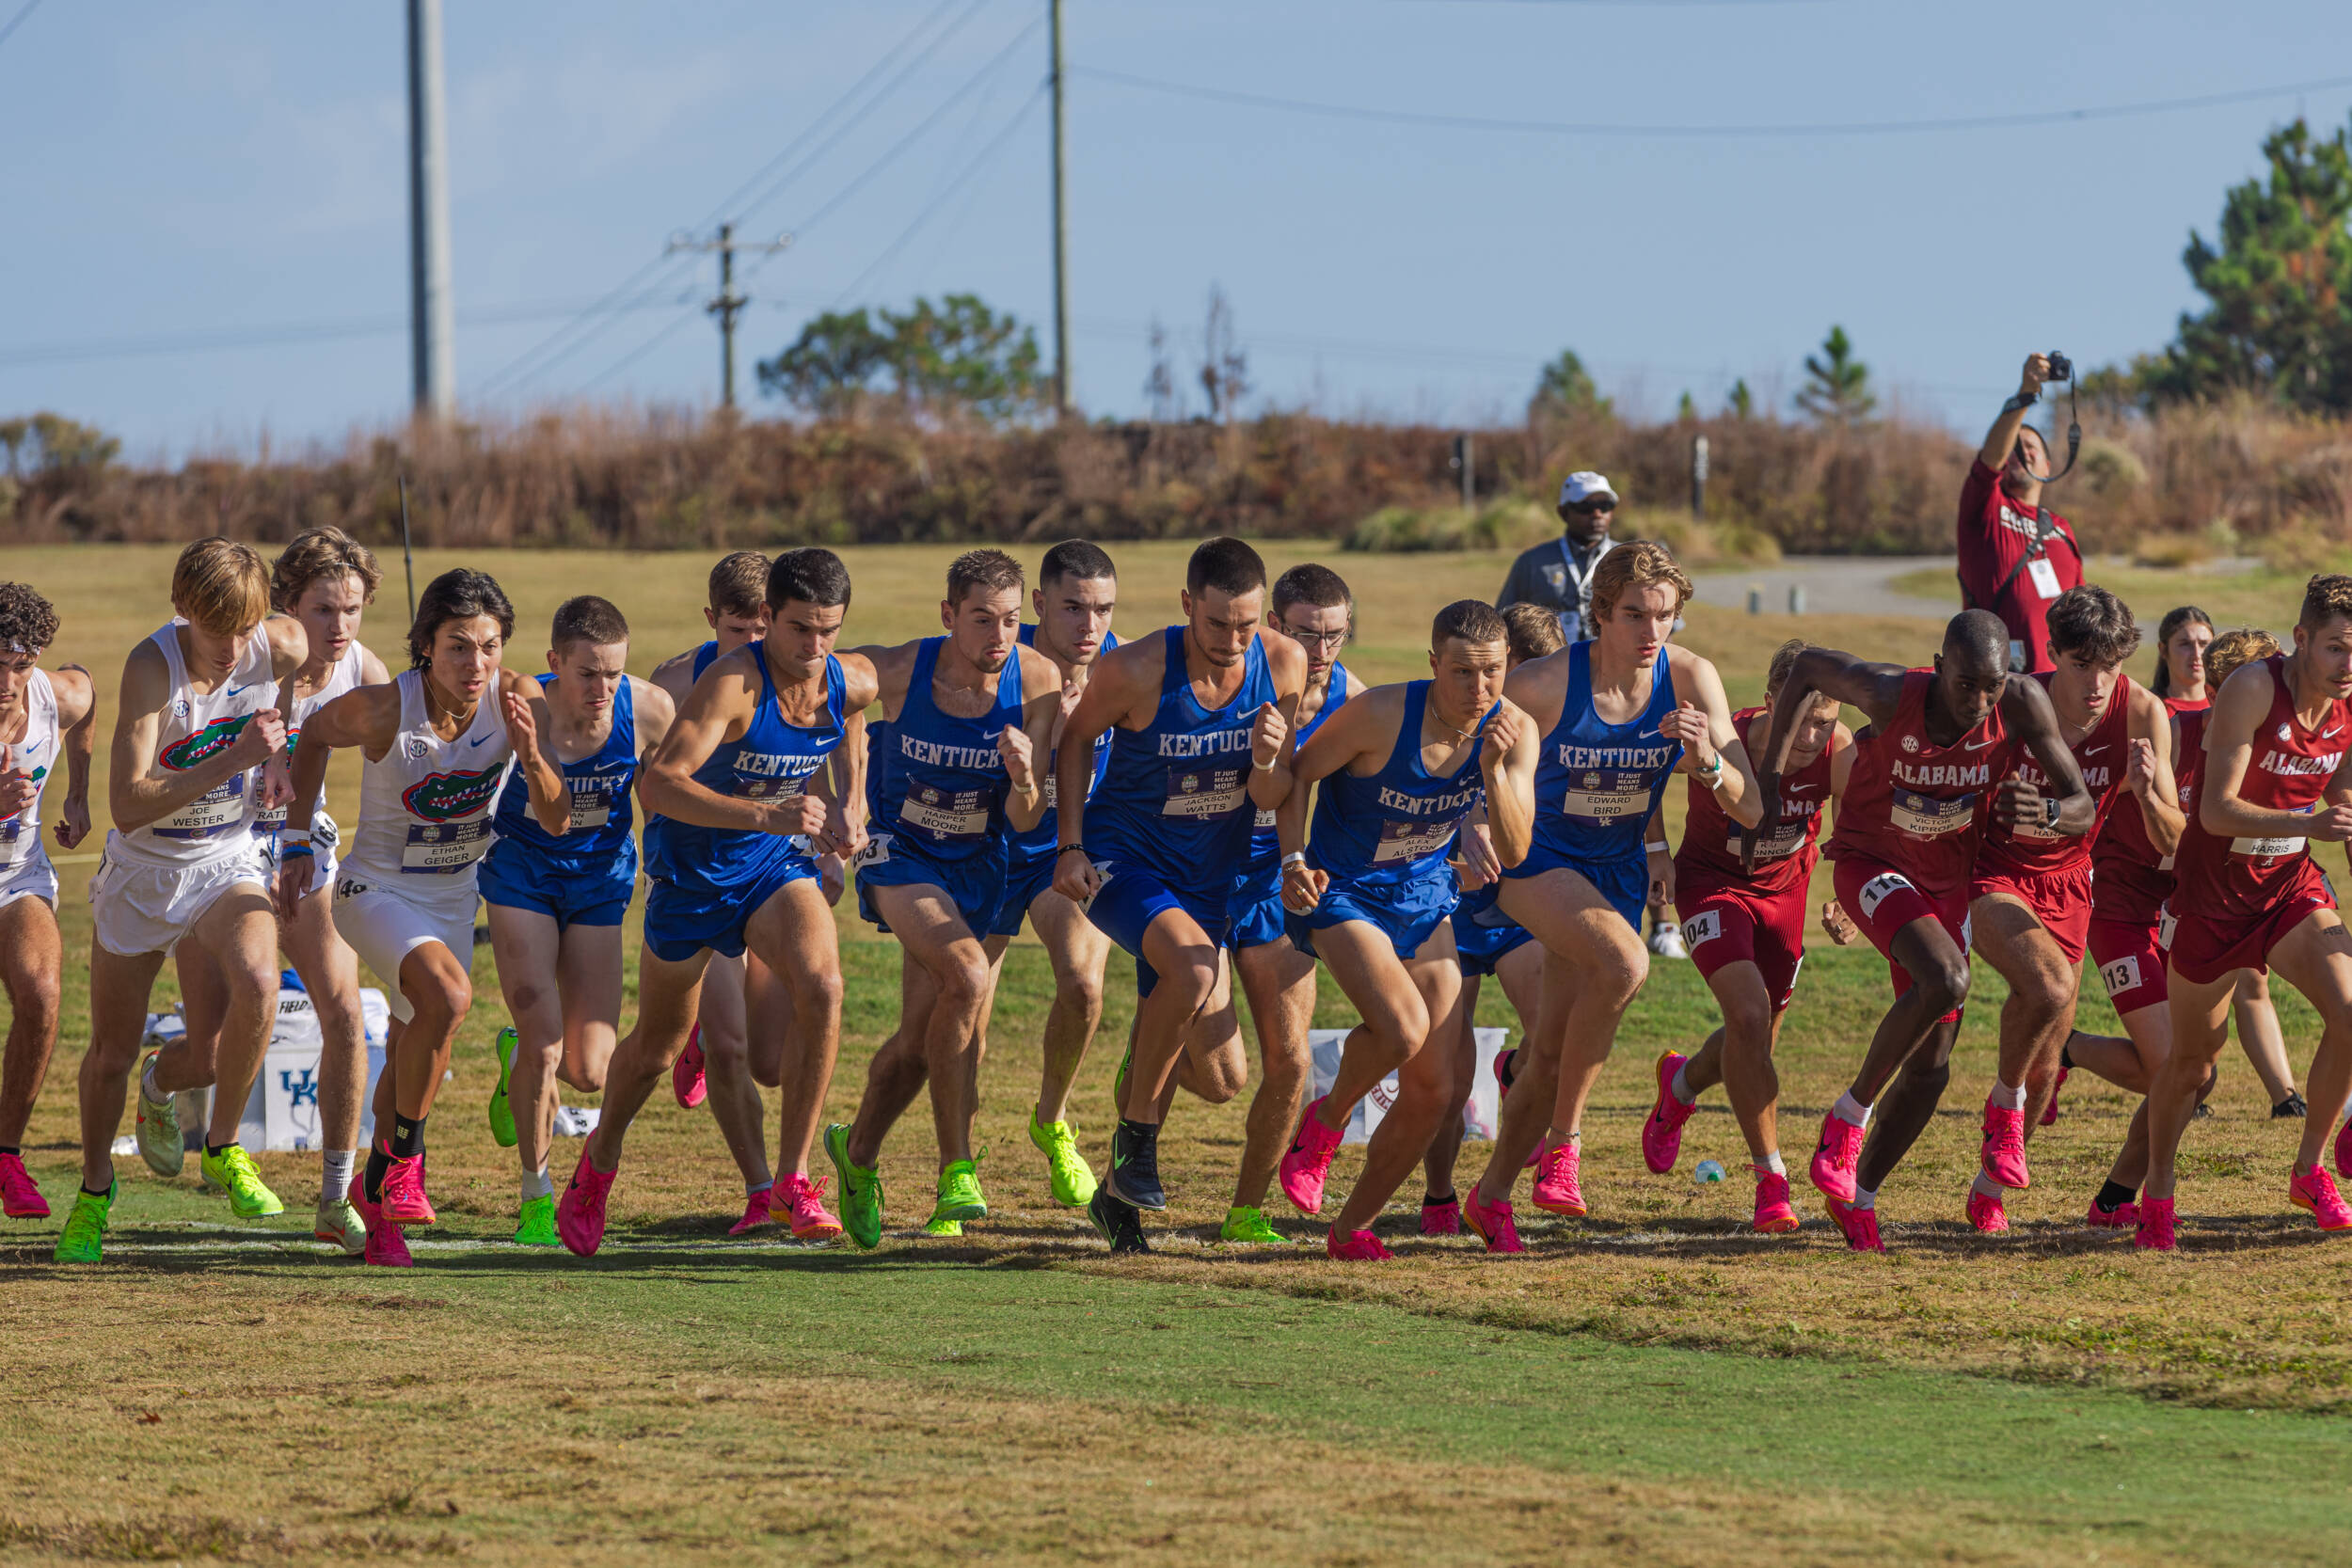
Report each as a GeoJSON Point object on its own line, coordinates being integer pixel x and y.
{"type": "Point", "coordinates": [1061, 234]}
{"type": "Point", "coordinates": [432, 307]}
{"type": "Point", "coordinates": [1698, 476]}
{"type": "Point", "coordinates": [407, 560]}
{"type": "Point", "coordinates": [727, 307]}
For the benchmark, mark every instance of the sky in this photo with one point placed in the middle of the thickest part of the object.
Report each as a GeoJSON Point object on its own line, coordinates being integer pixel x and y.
{"type": "Point", "coordinates": [206, 206]}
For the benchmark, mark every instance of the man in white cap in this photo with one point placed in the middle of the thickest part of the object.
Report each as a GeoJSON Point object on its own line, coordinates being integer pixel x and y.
{"type": "Point", "coordinates": [1559, 575]}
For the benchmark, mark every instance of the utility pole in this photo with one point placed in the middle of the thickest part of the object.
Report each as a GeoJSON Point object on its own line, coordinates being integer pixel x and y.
{"type": "Point", "coordinates": [432, 308]}
{"type": "Point", "coordinates": [729, 304]}
{"type": "Point", "coordinates": [1062, 235]}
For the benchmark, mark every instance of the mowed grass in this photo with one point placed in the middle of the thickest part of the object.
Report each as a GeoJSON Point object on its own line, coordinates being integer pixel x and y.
{"type": "Point", "coordinates": [2258, 597]}
{"type": "Point", "coordinates": [1653, 1384]}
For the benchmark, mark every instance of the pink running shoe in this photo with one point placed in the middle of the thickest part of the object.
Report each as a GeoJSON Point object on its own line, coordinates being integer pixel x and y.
{"type": "Point", "coordinates": [1556, 1189]}
{"type": "Point", "coordinates": [1774, 1214]}
{"type": "Point", "coordinates": [1661, 1134]}
{"type": "Point", "coordinates": [387, 1247]}
{"type": "Point", "coordinates": [20, 1198]}
{"type": "Point", "coordinates": [809, 1218]}
{"type": "Point", "coordinates": [2316, 1190]}
{"type": "Point", "coordinates": [1834, 1160]}
{"type": "Point", "coordinates": [1442, 1219]}
{"type": "Point", "coordinates": [2049, 1112]}
{"type": "Point", "coordinates": [1859, 1227]}
{"type": "Point", "coordinates": [403, 1193]}
{"type": "Point", "coordinates": [1492, 1223]}
{"type": "Point", "coordinates": [1502, 1092]}
{"type": "Point", "coordinates": [1361, 1246]}
{"type": "Point", "coordinates": [2123, 1216]}
{"type": "Point", "coordinates": [756, 1212]}
{"type": "Point", "coordinates": [1987, 1213]}
{"type": "Point", "coordinates": [2344, 1150]}
{"type": "Point", "coordinates": [2155, 1226]}
{"type": "Point", "coordinates": [1308, 1162]}
{"type": "Point", "coordinates": [2003, 1155]}
{"type": "Point", "coordinates": [579, 1212]}
{"type": "Point", "coordinates": [686, 1073]}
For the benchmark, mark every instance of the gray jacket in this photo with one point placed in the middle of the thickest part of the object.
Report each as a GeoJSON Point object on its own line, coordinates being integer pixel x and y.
{"type": "Point", "coordinates": [1546, 574]}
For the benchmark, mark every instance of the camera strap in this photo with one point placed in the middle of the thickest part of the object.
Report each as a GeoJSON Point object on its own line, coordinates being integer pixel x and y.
{"type": "Point", "coordinates": [2073, 433]}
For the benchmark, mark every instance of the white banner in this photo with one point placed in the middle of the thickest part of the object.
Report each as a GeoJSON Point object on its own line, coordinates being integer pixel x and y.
{"type": "Point", "coordinates": [1478, 1117]}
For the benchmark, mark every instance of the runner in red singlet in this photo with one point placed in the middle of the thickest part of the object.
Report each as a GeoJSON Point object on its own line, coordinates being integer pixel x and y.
{"type": "Point", "coordinates": [1905, 845]}
{"type": "Point", "coordinates": [2029, 901]}
{"type": "Point", "coordinates": [2251, 896]}
{"type": "Point", "coordinates": [1746, 933]}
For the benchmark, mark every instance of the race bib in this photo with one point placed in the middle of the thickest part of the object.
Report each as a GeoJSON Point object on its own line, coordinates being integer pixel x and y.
{"type": "Point", "coordinates": [1706, 925]}
{"type": "Point", "coordinates": [1604, 796]}
{"type": "Point", "coordinates": [1410, 841]}
{"type": "Point", "coordinates": [2165, 926]}
{"type": "Point", "coordinates": [946, 813]}
{"type": "Point", "coordinates": [1265, 819]}
{"type": "Point", "coordinates": [1205, 793]}
{"type": "Point", "coordinates": [440, 849]}
{"type": "Point", "coordinates": [590, 811]}
{"type": "Point", "coordinates": [2120, 975]}
{"type": "Point", "coordinates": [1922, 818]}
{"type": "Point", "coordinates": [2267, 848]}
{"type": "Point", "coordinates": [1779, 845]}
{"type": "Point", "coordinates": [1879, 889]}
{"type": "Point", "coordinates": [2044, 576]}
{"type": "Point", "coordinates": [876, 852]}
{"type": "Point", "coordinates": [216, 811]}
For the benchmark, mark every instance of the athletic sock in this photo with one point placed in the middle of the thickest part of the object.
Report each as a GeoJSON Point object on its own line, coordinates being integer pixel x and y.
{"type": "Point", "coordinates": [212, 1149]}
{"type": "Point", "coordinates": [102, 1192]}
{"type": "Point", "coordinates": [1851, 1110]}
{"type": "Point", "coordinates": [2006, 1098]}
{"type": "Point", "coordinates": [2066, 1058]}
{"type": "Point", "coordinates": [2112, 1196]}
{"type": "Point", "coordinates": [407, 1137]}
{"type": "Point", "coordinates": [1431, 1200]}
{"type": "Point", "coordinates": [1681, 1084]}
{"type": "Point", "coordinates": [11, 1149]}
{"type": "Point", "coordinates": [1866, 1197]}
{"type": "Point", "coordinates": [753, 1189]}
{"type": "Point", "coordinates": [537, 1185]}
{"type": "Point", "coordinates": [335, 1175]}
{"type": "Point", "coordinates": [147, 1083]}
{"type": "Point", "coordinates": [379, 1162]}
{"type": "Point", "coordinates": [1984, 1186]}
{"type": "Point", "coordinates": [1774, 1164]}
{"type": "Point", "coordinates": [1507, 1065]}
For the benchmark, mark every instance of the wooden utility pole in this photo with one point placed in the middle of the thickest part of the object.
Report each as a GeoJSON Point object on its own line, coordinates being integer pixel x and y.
{"type": "Point", "coordinates": [729, 304]}
{"type": "Point", "coordinates": [1061, 233]}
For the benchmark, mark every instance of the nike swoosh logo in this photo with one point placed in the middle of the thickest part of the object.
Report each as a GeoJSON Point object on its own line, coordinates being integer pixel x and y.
{"type": "Point", "coordinates": [2330, 734]}
{"type": "Point", "coordinates": [241, 690]}
{"type": "Point", "coordinates": [2094, 751]}
{"type": "Point", "coordinates": [607, 766]}
{"type": "Point", "coordinates": [1797, 789]}
{"type": "Point", "coordinates": [477, 740]}
{"type": "Point", "coordinates": [1977, 747]}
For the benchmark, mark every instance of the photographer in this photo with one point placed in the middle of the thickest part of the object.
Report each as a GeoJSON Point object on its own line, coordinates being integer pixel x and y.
{"type": "Point", "coordinates": [1559, 575]}
{"type": "Point", "coordinates": [2015, 556]}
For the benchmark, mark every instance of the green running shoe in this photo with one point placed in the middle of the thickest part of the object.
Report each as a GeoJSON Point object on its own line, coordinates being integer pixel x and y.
{"type": "Point", "coordinates": [538, 1226]}
{"type": "Point", "coordinates": [937, 1227]}
{"type": "Point", "coordinates": [231, 1170]}
{"type": "Point", "coordinates": [861, 1190]}
{"type": "Point", "coordinates": [501, 1109]}
{"type": "Point", "coordinates": [157, 1131]}
{"type": "Point", "coordinates": [85, 1231]}
{"type": "Point", "coordinates": [1073, 1178]}
{"type": "Point", "coordinates": [339, 1221]}
{"type": "Point", "coordinates": [959, 1193]}
{"type": "Point", "coordinates": [1248, 1228]}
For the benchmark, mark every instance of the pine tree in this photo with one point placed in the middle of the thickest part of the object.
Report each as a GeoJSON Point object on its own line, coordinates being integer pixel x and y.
{"type": "Point", "coordinates": [1741, 404]}
{"type": "Point", "coordinates": [1565, 387]}
{"type": "Point", "coordinates": [1838, 384]}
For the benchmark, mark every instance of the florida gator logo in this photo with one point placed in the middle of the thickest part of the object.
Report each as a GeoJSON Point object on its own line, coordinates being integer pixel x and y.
{"type": "Point", "coordinates": [210, 741]}
{"type": "Point", "coordinates": [447, 797]}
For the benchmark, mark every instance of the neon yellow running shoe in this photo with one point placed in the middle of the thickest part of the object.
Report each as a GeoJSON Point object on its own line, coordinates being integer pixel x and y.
{"type": "Point", "coordinates": [1248, 1228]}
{"type": "Point", "coordinates": [232, 1171]}
{"type": "Point", "coordinates": [501, 1109]}
{"type": "Point", "coordinates": [959, 1193]}
{"type": "Point", "coordinates": [538, 1226]}
{"type": "Point", "coordinates": [861, 1190]}
{"type": "Point", "coordinates": [1073, 1178]}
{"type": "Point", "coordinates": [339, 1221]}
{"type": "Point", "coordinates": [157, 1131]}
{"type": "Point", "coordinates": [937, 1227]}
{"type": "Point", "coordinates": [85, 1232]}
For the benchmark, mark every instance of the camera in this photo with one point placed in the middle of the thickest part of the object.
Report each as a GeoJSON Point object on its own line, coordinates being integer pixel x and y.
{"type": "Point", "coordinates": [2061, 368]}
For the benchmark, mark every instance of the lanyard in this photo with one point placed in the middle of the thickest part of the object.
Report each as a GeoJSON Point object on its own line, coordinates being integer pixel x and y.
{"type": "Point", "coordinates": [1582, 582]}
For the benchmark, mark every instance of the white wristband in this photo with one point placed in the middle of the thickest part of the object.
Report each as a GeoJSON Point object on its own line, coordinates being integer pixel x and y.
{"type": "Point", "coordinates": [294, 835]}
{"type": "Point", "coordinates": [1653, 848]}
{"type": "Point", "coordinates": [1296, 857]}
{"type": "Point", "coordinates": [1262, 767]}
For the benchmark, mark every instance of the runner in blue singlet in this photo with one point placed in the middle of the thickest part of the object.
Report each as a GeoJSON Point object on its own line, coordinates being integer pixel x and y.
{"type": "Point", "coordinates": [750, 763]}
{"type": "Point", "coordinates": [1618, 715]}
{"type": "Point", "coordinates": [1396, 773]}
{"type": "Point", "coordinates": [556, 904]}
{"type": "Point", "coordinates": [1199, 719]}
{"type": "Point", "coordinates": [967, 721]}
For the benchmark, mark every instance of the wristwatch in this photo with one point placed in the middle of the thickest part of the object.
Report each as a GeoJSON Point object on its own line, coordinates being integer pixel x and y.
{"type": "Point", "coordinates": [2018, 403]}
{"type": "Point", "coordinates": [2049, 812]}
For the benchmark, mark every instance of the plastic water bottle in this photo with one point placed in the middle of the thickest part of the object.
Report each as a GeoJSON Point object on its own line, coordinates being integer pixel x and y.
{"type": "Point", "coordinates": [1708, 1172]}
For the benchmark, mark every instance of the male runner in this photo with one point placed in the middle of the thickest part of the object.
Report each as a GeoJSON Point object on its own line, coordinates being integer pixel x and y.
{"type": "Point", "coordinates": [436, 743]}
{"type": "Point", "coordinates": [326, 579]}
{"type": "Point", "coordinates": [1153, 860]}
{"type": "Point", "coordinates": [46, 720]}
{"type": "Point", "coordinates": [729, 784]}
{"type": "Point", "coordinates": [2029, 895]}
{"type": "Point", "coordinates": [1905, 841]}
{"type": "Point", "coordinates": [1486, 942]}
{"type": "Point", "coordinates": [1619, 715]}
{"type": "Point", "coordinates": [197, 718]}
{"type": "Point", "coordinates": [963, 718]}
{"type": "Point", "coordinates": [1746, 932]}
{"type": "Point", "coordinates": [1400, 769]}
{"type": "Point", "coordinates": [2251, 896]}
{"type": "Point", "coordinates": [1314, 608]}
{"type": "Point", "coordinates": [1077, 589]}
{"type": "Point", "coordinates": [556, 904]}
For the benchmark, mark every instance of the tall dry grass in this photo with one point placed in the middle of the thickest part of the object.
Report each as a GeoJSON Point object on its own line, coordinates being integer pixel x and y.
{"type": "Point", "coordinates": [2215, 477]}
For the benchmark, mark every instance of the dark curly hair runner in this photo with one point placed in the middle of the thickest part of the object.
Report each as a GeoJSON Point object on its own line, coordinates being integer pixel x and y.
{"type": "Point", "coordinates": [459, 594]}
{"type": "Point", "coordinates": [28, 622]}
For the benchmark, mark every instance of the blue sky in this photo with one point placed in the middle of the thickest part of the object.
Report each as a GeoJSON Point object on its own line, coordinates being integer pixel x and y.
{"type": "Point", "coordinates": [187, 177]}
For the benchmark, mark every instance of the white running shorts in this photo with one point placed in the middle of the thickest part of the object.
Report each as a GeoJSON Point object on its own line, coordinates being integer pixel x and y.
{"type": "Point", "coordinates": [147, 909]}
{"type": "Point", "coordinates": [383, 928]}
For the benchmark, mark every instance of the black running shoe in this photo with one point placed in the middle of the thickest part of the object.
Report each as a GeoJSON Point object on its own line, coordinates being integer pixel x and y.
{"type": "Point", "coordinates": [1116, 1223]}
{"type": "Point", "coordinates": [1135, 1175]}
{"type": "Point", "coordinates": [2292, 1108]}
{"type": "Point", "coordinates": [2201, 1112]}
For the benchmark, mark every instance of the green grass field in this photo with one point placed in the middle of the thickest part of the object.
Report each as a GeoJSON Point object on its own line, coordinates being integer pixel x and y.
{"type": "Point", "coordinates": [1654, 1385]}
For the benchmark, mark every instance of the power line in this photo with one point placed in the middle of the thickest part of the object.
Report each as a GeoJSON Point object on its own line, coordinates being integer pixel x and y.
{"type": "Point", "coordinates": [625, 360]}
{"type": "Point", "coordinates": [1849, 128]}
{"type": "Point", "coordinates": [18, 19]}
{"type": "Point", "coordinates": [932, 209]}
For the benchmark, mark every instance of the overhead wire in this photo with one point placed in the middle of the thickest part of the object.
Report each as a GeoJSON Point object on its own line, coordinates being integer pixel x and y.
{"type": "Point", "coordinates": [932, 209]}
{"type": "Point", "coordinates": [18, 19]}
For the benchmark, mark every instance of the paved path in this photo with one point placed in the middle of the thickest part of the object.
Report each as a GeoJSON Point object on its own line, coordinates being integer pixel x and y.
{"type": "Point", "coordinates": [1834, 585]}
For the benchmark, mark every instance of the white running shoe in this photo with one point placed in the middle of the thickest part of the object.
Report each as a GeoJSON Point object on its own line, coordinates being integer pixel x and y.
{"type": "Point", "coordinates": [160, 1142]}
{"type": "Point", "coordinates": [1665, 939]}
{"type": "Point", "coordinates": [576, 1121]}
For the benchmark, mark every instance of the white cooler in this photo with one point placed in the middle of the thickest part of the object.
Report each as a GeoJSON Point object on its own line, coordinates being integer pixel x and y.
{"type": "Point", "coordinates": [283, 1112]}
{"type": "Point", "coordinates": [1478, 1117]}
